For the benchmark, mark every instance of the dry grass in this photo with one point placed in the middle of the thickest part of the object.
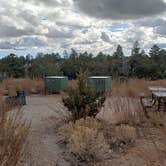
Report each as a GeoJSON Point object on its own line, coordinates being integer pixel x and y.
{"type": "Point", "coordinates": [13, 135]}
{"type": "Point", "coordinates": [69, 128]}
{"type": "Point", "coordinates": [28, 85]}
{"type": "Point", "coordinates": [4, 107]}
{"type": "Point", "coordinates": [126, 130]}
{"type": "Point", "coordinates": [122, 110]}
{"type": "Point", "coordinates": [126, 134]}
{"type": "Point", "coordinates": [85, 141]}
{"type": "Point", "coordinates": [88, 144]}
{"type": "Point", "coordinates": [133, 87]}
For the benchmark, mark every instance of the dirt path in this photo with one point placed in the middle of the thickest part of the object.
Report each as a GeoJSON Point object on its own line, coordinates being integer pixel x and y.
{"type": "Point", "coordinates": [43, 149]}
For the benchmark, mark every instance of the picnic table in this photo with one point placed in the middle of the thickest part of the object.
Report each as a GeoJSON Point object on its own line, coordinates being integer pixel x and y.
{"type": "Point", "coordinates": [158, 98]}
{"type": "Point", "coordinates": [156, 88]}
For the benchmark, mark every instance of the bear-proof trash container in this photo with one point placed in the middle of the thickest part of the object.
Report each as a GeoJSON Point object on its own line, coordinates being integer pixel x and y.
{"type": "Point", "coordinates": [55, 84]}
{"type": "Point", "coordinates": [100, 83]}
{"type": "Point", "coordinates": [21, 97]}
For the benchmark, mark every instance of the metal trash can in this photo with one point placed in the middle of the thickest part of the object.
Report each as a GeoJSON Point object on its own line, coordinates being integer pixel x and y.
{"type": "Point", "coordinates": [21, 97]}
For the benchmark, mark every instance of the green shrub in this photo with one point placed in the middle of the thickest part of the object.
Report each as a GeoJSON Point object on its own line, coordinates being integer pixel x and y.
{"type": "Point", "coordinates": [83, 100]}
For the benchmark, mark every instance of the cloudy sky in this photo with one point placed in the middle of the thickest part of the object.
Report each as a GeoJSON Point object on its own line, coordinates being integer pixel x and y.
{"type": "Point", "coordinates": [31, 26]}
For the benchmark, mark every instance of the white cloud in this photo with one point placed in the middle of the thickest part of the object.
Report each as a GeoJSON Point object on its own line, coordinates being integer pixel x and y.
{"type": "Point", "coordinates": [58, 24]}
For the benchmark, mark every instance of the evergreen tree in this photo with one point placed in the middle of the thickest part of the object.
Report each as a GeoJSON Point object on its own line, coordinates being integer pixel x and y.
{"type": "Point", "coordinates": [83, 100]}
{"type": "Point", "coordinates": [65, 54]}
{"type": "Point", "coordinates": [143, 52]}
{"type": "Point", "coordinates": [136, 49]}
{"type": "Point", "coordinates": [118, 52]}
{"type": "Point", "coordinates": [154, 52]}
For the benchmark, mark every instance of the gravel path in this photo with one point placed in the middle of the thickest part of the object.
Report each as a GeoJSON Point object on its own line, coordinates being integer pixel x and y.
{"type": "Point", "coordinates": [43, 148]}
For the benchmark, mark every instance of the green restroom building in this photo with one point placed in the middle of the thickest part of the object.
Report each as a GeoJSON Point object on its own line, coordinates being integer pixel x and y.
{"type": "Point", "coordinates": [55, 84]}
{"type": "Point", "coordinates": [101, 83]}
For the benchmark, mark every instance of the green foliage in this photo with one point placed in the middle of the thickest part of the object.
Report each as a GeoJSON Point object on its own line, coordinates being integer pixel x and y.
{"type": "Point", "coordinates": [42, 65]}
{"type": "Point", "coordinates": [83, 100]}
{"type": "Point", "coordinates": [139, 64]}
{"type": "Point", "coordinates": [70, 67]}
{"type": "Point", "coordinates": [119, 52]}
{"type": "Point", "coordinates": [142, 66]}
{"type": "Point", "coordinates": [154, 52]}
{"type": "Point", "coordinates": [13, 66]}
{"type": "Point", "coordinates": [136, 49]}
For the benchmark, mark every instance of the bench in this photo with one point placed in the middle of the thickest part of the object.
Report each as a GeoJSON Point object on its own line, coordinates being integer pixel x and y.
{"type": "Point", "coordinates": [146, 103]}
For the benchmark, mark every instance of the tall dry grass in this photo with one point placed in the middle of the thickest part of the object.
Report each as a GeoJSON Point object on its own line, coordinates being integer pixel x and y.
{"type": "Point", "coordinates": [28, 85]}
{"type": "Point", "coordinates": [133, 87]}
{"type": "Point", "coordinates": [122, 110]}
{"type": "Point", "coordinates": [13, 135]}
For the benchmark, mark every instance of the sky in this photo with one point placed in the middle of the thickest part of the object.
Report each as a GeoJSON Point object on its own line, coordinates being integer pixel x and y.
{"type": "Point", "coordinates": [32, 26]}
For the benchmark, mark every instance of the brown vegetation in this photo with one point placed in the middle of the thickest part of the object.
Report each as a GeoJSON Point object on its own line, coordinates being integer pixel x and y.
{"type": "Point", "coordinates": [133, 87]}
{"type": "Point", "coordinates": [84, 140]}
{"type": "Point", "coordinates": [122, 130]}
{"type": "Point", "coordinates": [120, 134]}
{"type": "Point", "coordinates": [28, 85]}
{"type": "Point", "coordinates": [13, 135]}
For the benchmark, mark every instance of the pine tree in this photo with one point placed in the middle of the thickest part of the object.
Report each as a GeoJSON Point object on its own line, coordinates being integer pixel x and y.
{"type": "Point", "coordinates": [83, 100]}
{"type": "Point", "coordinates": [143, 52]}
{"type": "Point", "coordinates": [154, 52]}
{"type": "Point", "coordinates": [136, 49]}
{"type": "Point", "coordinates": [65, 54]}
{"type": "Point", "coordinates": [119, 52]}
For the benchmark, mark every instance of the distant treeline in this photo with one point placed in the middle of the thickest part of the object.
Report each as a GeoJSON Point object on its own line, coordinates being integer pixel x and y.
{"type": "Point", "coordinates": [139, 64]}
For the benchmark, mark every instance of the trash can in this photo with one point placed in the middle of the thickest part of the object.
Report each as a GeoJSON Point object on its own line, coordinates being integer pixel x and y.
{"type": "Point", "coordinates": [21, 97]}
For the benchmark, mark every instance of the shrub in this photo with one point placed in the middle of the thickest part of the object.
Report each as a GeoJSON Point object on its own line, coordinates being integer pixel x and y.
{"type": "Point", "coordinates": [85, 141]}
{"type": "Point", "coordinates": [126, 134]}
{"type": "Point", "coordinates": [83, 100]}
{"type": "Point", "coordinates": [91, 123]}
{"type": "Point", "coordinates": [67, 130]}
{"type": "Point", "coordinates": [119, 137]}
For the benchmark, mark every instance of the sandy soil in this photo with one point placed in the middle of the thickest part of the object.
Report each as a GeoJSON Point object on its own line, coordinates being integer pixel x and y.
{"type": "Point", "coordinates": [43, 149]}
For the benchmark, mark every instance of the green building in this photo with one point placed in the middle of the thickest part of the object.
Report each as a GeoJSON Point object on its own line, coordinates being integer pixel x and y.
{"type": "Point", "coordinates": [55, 84]}
{"type": "Point", "coordinates": [101, 83]}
